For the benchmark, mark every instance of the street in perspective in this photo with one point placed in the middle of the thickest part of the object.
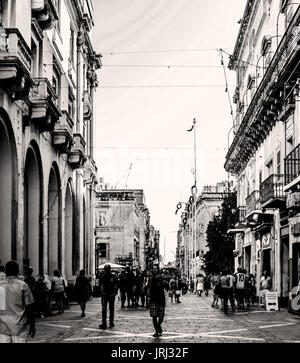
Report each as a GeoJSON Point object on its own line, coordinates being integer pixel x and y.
{"type": "Point", "coordinates": [149, 172]}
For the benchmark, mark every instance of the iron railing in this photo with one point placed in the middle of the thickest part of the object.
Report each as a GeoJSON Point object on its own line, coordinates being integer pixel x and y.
{"type": "Point", "coordinates": [272, 188]}
{"type": "Point", "coordinates": [292, 166]}
{"type": "Point", "coordinates": [253, 202]}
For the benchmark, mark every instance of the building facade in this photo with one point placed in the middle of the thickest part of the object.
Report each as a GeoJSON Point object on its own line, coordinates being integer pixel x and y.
{"type": "Point", "coordinates": [191, 236]}
{"type": "Point", "coordinates": [47, 85]}
{"type": "Point", "coordinates": [123, 232]}
{"type": "Point", "coordinates": [264, 153]}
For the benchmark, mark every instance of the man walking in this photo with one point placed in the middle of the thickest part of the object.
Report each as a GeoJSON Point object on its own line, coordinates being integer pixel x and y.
{"type": "Point", "coordinates": [157, 300]}
{"type": "Point", "coordinates": [108, 284]}
{"type": "Point", "coordinates": [16, 307]}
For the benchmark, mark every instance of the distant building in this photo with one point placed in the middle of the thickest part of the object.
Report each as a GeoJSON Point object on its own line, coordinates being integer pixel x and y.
{"type": "Point", "coordinates": [123, 231]}
{"type": "Point", "coordinates": [191, 236]}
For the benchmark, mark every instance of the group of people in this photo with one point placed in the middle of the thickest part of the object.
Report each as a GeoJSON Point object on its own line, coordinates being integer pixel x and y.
{"type": "Point", "coordinates": [22, 298]}
{"type": "Point", "coordinates": [237, 288]}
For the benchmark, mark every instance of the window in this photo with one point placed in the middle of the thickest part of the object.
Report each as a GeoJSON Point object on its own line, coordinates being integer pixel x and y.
{"type": "Point", "coordinates": [71, 108]}
{"type": "Point", "coordinates": [35, 60]}
{"type": "Point", "coordinates": [270, 168]}
{"type": "Point", "coordinates": [279, 163]}
{"type": "Point", "coordinates": [56, 80]}
{"type": "Point", "coordinates": [102, 250]}
{"type": "Point", "coordinates": [72, 45]}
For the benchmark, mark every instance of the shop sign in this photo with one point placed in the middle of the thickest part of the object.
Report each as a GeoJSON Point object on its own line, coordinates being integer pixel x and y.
{"type": "Point", "coordinates": [272, 301]}
{"type": "Point", "coordinates": [266, 241]}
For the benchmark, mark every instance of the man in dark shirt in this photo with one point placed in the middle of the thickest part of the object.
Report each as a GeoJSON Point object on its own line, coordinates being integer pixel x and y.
{"type": "Point", "coordinates": [157, 300]}
{"type": "Point", "coordinates": [108, 284]}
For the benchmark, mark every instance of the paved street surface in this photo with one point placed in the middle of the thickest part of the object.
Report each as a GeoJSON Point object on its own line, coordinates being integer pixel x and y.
{"type": "Point", "coordinates": [193, 321]}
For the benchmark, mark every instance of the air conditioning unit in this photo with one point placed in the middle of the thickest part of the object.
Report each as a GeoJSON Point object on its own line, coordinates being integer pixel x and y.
{"type": "Point", "coordinates": [293, 200]}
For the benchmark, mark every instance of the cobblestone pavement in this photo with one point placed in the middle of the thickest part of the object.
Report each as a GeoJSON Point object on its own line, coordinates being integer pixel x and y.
{"type": "Point", "coordinates": [193, 321]}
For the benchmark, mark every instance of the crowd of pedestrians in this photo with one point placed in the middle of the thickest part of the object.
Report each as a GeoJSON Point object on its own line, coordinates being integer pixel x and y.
{"type": "Point", "coordinates": [22, 297]}
{"type": "Point", "coordinates": [238, 289]}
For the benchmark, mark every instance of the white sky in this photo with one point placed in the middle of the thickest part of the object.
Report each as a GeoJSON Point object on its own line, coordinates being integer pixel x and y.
{"type": "Point", "coordinates": [147, 126]}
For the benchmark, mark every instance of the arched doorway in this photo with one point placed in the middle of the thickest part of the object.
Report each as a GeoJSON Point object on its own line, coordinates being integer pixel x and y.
{"type": "Point", "coordinates": [8, 182]}
{"type": "Point", "coordinates": [33, 232]}
{"type": "Point", "coordinates": [69, 231]}
{"type": "Point", "coordinates": [54, 221]}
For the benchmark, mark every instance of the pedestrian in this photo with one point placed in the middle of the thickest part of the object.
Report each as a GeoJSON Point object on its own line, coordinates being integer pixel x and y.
{"type": "Point", "coordinates": [83, 289]}
{"type": "Point", "coordinates": [178, 289]}
{"type": "Point", "coordinates": [16, 307]}
{"type": "Point", "coordinates": [231, 289]}
{"type": "Point", "coordinates": [172, 288]}
{"type": "Point", "coordinates": [157, 300]}
{"type": "Point", "coordinates": [109, 288]}
{"type": "Point", "coordinates": [42, 296]}
{"type": "Point", "coordinates": [2, 273]}
{"type": "Point", "coordinates": [224, 284]}
{"type": "Point", "coordinates": [58, 290]}
{"type": "Point", "coordinates": [129, 285]}
{"type": "Point", "coordinates": [265, 286]}
{"type": "Point", "coordinates": [122, 287]}
{"type": "Point", "coordinates": [206, 285]}
{"type": "Point", "coordinates": [216, 289]}
{"type": "Point", "coordinates": [29, 279]}
{"type": "Point", "coordinates": [199, 285]}
{"type": "Point", "coordinates": [240, 286]}
{"type": "Point", "coordinates": [251, 289]}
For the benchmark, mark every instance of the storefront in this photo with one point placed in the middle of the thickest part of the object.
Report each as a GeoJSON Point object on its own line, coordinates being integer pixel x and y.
{"type": "Point", "coordinates": [284, 268]}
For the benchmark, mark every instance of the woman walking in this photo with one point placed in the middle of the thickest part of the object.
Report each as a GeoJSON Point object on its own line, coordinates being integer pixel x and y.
{"type": "Point", "coordinates": [200, 285]}
{"type": "Point", "coordinates": [157, 301]}
{"type": "Point", "coordinates": [58, 290]}
{"type": "Point", "coordinates": [83, 290]}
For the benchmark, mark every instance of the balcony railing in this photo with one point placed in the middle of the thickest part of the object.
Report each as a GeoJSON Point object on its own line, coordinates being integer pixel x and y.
{"type": "Point", "coordinates": [272, 188]}
{"type": "Point", "coordinates": [253, 202]}
{"type": "Point", "coordinates": [15, 63]}
{"type": "Point", "coordinates": [292, 166]}
{"type": "Point", "coordinates": [240, 215]}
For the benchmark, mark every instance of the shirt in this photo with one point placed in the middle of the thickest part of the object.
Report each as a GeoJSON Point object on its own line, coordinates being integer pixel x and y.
{"type": "Point", "coordinates": [240, 281]}
{"type": "Point", "coordinates": [14, 296]}
{"type": "Point", "coordinates": [108, 284]}
{"type": "Point", "coordinates": [58, 284]}
{"type": "Point", "coordinates": [265, 282]}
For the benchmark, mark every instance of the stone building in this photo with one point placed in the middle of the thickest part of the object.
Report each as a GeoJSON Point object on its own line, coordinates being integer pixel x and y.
{"type": "Point", "coordinates": [191, 236]}
{"type": "Point", "coordinates": [264, 155]}
{"type": "Point", "coordinates": [47, 86]}
{"type": "Point", "coordinates": [123, 231]}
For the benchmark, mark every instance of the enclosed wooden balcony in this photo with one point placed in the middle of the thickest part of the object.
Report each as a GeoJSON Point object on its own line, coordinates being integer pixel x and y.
{"type": "Point", "coordinates": [77, 153]}
{"type": "Point", "coordinates": [45, 111]}
{"type": "Point", "coordinates": [253, 203]}
{"type": "Point", "coordinates": [292, 169]}
{"type": "Point", "coordinates": [63, 133]}
{"type": "Point", "coordinates": [15, 64]}
{"type": "Point", "coordinates": [272, 194]}
{"type": "Point", "coordinates": [240, 215]}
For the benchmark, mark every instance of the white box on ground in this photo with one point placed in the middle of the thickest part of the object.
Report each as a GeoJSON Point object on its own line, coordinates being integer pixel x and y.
{"type": "Point", "coordinates": [272, 301]}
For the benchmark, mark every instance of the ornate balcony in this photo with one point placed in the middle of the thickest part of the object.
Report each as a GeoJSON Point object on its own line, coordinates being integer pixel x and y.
{"type": "Point", "coordinates": [272, 194]}
{"type": "Point", "coordinates": [63, 133]}
{"type": "Point", "coordinates": [292, 169]}
{"type": "Point", "coordinates": [45, 112]}
{"type": "Point", "coordinates": [253, 203]}
{"type": "Point", "coordinates": [77, 153]}
{"type": "Point", "coordinates": [87, 106]}
{"type": "Point", "coordinates": [268, 103]}
{"type": "Point", "coordinates": [45, 12]}
{"type": "Point", "coordinates": [15, 64]}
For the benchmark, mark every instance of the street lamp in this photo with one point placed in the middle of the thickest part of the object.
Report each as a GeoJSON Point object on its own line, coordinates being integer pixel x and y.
{"type": "Point", "coordinates": [194, 204]}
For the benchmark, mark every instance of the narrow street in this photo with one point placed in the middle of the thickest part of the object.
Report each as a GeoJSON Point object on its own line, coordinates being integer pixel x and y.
{"type": "Point", "coordinates": [193, 321]}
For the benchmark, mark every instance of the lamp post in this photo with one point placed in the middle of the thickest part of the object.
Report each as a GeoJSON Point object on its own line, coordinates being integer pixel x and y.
{"type": "Point", "coordinates": [194, 195]}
